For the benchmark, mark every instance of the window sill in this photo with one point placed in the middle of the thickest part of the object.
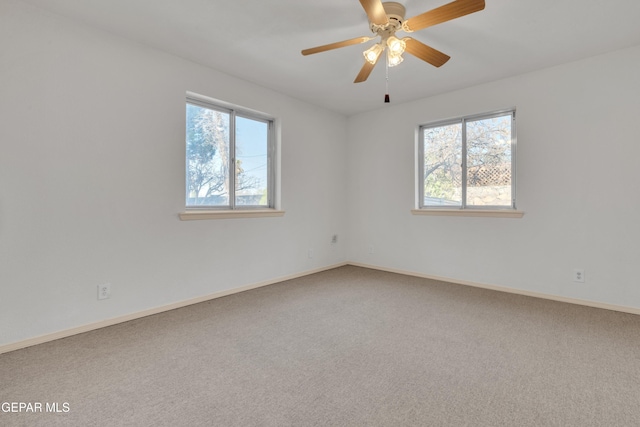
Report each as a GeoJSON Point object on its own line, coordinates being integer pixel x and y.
{"type": "Point", "coordinates": [226, 214]}
{"type": "Point", "coordinates": [495, 213]}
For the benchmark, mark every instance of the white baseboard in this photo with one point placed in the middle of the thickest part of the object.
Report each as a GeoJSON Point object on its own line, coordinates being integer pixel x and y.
{"type": "Point", "coordinates": [595, 304]}
{"type": "Point", "coordinates": [113, 321]}
{"type": "Point", "coordinates": [120, 319]}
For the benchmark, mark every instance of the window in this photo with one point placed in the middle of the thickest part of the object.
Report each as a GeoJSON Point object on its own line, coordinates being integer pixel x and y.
{"type": "Point", "coordinates": [229, 154]}
{"type": "Point", "coordinates": [468, 163]}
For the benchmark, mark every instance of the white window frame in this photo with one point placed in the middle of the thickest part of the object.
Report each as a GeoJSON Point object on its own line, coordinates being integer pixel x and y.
{"type": "Point", "coordinates": [232, 209]}
{"type": "Point", "coordinates": [464, 209]}
{"type": "Point", "coordinates": [234, 112]}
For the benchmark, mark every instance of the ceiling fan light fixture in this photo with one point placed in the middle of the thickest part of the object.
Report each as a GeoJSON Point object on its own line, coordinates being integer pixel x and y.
{"type": "Point", "coordinates": [396, 46]}
{"type": "Point", "coordinates": [373, 53]}
{"type": "Point", "coordinates": [393, 60]}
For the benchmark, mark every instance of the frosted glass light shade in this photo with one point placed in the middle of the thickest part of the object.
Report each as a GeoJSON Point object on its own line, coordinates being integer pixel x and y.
{"type": "Point", "coordinates": [372, 54]}
{"type": "Point", "coordinates": [393, 60]}
{"type": "Point", "coordinates": [396, 46]}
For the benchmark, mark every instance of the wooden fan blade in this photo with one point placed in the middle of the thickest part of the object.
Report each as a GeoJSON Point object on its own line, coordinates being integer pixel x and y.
{"type": "Point", "coordinates": [336, 45]}
{"type": "Point", "coordinates": [445, 13]}
{"type": "Point", "coordinates": [424, 52]}
{"type": "Point", "coordinates": [375, 11]}
{"type": "Point", "coordinates": [365, 71]}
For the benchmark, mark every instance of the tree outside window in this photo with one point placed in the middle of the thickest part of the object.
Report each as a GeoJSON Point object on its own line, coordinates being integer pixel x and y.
{"type": "Point", "coordinates": [227, 158]}
{"type": "Point", "coordinates": [468, 162]}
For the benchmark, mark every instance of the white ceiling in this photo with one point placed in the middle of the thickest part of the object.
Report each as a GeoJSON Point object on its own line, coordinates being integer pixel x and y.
{"type": "Point", "coordinates": [260, 41]}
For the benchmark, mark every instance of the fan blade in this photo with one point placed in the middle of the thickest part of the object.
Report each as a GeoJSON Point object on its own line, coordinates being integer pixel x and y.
{"type": "Point", "coordinates": [336, 45]}
{"type": "Point", "coordinates": [375, 11]}
{"type": "Point", "coordinates": [424, 52]}
{"type": "Point", "coordinates": [365, 71]}
{"type": "Point", "coordinates": [445, 13]}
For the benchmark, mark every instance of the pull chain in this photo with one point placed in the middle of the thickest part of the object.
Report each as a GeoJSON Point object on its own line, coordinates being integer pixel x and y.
{"type": "Point", "coordinates": [386, 96]}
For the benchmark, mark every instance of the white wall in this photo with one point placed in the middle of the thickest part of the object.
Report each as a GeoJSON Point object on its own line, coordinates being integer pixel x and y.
{"type": "Point", "coordinates": [577, 181]}
{"type": "Point", "coordinates": [92, 180]}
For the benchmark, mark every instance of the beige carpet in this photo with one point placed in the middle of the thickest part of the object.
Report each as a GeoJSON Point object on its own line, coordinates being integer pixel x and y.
{"type": "Point", "coordinates": [347, 347]}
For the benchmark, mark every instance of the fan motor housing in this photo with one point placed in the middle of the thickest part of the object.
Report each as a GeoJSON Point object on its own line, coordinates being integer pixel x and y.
{"type": "Point", "coordinates": [395, 12]}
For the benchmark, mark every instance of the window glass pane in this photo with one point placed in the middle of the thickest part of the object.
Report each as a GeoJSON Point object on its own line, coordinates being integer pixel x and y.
{"type": "Point", "coordinates": [207, 157]}
{"type": "Point", "coordinates": [489, 162]}
{"type": "Point", "coordinates": [252, 177]}
{"type": "Point", "coordinates": [442, 165]}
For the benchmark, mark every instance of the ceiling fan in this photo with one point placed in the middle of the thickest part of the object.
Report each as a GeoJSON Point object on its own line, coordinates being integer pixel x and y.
{"type": "Point", "coordinates": [385, 19]}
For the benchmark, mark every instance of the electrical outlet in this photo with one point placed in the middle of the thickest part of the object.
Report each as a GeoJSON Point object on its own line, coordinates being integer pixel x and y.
{"type": "Point", "coordinates": [104, 291]}
{"type": "Point", "coordinates": [334, 239]}
{"type": "Point", "coordinates": [578, 275]}
{"type": "Point", "coordinates": [310, 253]}
{"type": "Point", "coordinates": [372, 249]}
